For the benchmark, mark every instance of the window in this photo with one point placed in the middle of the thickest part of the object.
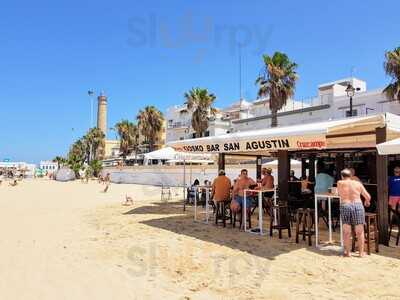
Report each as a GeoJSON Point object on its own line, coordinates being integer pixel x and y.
{"type": "Point", "coordinates": [354, 114]}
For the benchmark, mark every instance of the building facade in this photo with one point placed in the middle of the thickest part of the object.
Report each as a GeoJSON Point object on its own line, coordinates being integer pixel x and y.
{"type": "Point", "coordinates": [330, 103]}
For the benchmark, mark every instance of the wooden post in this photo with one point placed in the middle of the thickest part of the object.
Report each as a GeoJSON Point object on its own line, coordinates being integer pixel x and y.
{"type": "Point", "coordinates": [311, 168]}
{"type": "Point", "coordinates": [339, 162]}
{"type": "Point", "coordinates": [258, 167]}
{"type": "Point", "coordinates": [283, 174]}
{"type": "Point", "coordinates": [382, 189]}
{"type": "Point", "coordinates": [303, 167]}
{"type": "Point", "coordinates": [221, 161]}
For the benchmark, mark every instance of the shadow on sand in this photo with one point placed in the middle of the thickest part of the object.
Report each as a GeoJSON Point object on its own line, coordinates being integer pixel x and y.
{"type": "Point", "coordinates": [180, 222]}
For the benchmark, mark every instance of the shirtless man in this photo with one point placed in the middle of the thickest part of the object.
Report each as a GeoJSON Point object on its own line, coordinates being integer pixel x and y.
{"type": "Point", "coordinates": [267, 182]}
{"type": "Point", "coordinates": [352, 210]}
{"type": "Point", "coordinates": [242, 183]}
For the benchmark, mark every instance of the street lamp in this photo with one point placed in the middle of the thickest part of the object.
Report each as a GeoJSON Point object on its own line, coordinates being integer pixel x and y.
{"type": "Point", "coordinates": [351, 90]}
{"type": "Point", "coordinates": [91, 95]}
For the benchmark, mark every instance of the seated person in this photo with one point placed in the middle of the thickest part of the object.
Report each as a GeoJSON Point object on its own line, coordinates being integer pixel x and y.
{"type": "Point", "coordinates": [267, 182]}
{"type": "Point", "coordinates": [244, 182]}
{"type": "Point", "coordinates": [193, 190]}
{"type": "Point", "coordinates": [305, 185]}
{"type": "Point", "coordinates": [221, 187]}
{"type": "Point", "coordinates": [293, 176]}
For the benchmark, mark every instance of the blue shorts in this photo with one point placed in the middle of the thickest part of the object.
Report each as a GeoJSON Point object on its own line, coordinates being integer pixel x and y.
{"type": "Point", "coordinates": [240, 200]}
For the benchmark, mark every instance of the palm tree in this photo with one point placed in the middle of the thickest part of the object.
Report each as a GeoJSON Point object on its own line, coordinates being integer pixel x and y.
{"type": "Point", "coordinates": [392, 68]}
{"type": "Point", "coordinates": [200, 103]}
{"type": "Point", "coordinates": [278, 81]}
{"type": "Point", "coordinates": [60, 161]}
{"type": "Point", "coordinates": [150, 123]}
{"type": "Point", "coordinates": [95, 144]}
{"type": "Point", "coordinates": [128, 134]}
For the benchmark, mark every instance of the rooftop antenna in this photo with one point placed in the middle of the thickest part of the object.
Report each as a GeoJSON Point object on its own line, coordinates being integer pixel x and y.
{"type": "Point", "coordinates": [240, 73]}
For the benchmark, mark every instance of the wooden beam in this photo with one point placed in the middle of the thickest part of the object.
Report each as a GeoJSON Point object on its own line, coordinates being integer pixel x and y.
{"type": "Point", "coordinates": [258, 167]}
{"type": "Point", "coordinates": [283, 174]}
{"type": "Point", "coordinates": [382, 189]}
{"type": "Point", "coordinates": [221, 161]}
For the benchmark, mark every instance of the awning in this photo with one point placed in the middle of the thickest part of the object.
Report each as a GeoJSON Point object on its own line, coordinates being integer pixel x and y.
{"type": "Point", "coordinates": [391, 147]}
{"type": "Point", "coordinates": [274, 163]}
{"type": "Point", "coordinates": [169, 153]}
{"type": "Point", "coordinates": [358, 132]}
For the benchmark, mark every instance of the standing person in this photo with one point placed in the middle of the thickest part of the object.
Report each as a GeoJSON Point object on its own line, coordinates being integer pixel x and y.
{"type": "Point", "coordinates": [394, 188]}
{"type": "Point", "coordinates": [221, 187]}
{"type": "Point", "coordinates": [323, 181]}
{"type": "Point", "coordinates": [352, 210]}
{"type": "Point", "coordinates": [244, 182]}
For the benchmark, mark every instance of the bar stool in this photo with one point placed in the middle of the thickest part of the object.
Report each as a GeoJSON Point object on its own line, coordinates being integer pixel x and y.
{"type": "Point", "coordinates": [280, 219]}
{"type": "Point", "coordinates": [222, 212]}
{"type": "Point", "coordinates": [370, 218]}
{"type": "Point", "coordinates": [305, 217]}
{"type": "Point", "coordinates": [239, 219]}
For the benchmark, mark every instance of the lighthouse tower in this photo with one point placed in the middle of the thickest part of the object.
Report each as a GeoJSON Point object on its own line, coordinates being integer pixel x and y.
{"type": "Point", "coordinates": [102, 113]}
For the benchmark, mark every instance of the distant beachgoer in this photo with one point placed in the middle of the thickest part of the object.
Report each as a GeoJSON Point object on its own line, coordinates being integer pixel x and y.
{"type": "Point", "coordinates": [394, 188]}
{"type": "Point", "coordinates": [14, 182]}
{"type": "Point", "coordinates": [352, 210]}
{"type": "Point", "coordinates": [1, 178]}
{"type": "Point", "coordinates": [221, 187]}
{"type": "Point", "coordinates": [128, 201]}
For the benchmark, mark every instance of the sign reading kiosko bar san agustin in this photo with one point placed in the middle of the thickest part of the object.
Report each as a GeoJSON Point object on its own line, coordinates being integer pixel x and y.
{"type": "Point", "coordinates": [256, 144]}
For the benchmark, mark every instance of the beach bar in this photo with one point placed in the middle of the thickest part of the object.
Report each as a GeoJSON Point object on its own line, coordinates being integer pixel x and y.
{"type": "Point", "coordinates": [337, 140]}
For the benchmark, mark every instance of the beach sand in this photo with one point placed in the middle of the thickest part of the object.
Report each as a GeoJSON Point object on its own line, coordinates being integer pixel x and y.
{"type": "Point", "coordinates": [71, 241]}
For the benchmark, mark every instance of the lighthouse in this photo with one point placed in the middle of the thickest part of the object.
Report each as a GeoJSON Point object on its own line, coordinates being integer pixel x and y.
{"type": "Point", "coordinates": [102, 113]}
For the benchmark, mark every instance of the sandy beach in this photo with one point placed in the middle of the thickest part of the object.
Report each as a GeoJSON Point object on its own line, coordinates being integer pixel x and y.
{"type": "Point", "coordinates": [71, 241]}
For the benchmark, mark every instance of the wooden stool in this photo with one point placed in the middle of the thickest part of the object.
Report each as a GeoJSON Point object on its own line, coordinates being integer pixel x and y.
{"type": "Point", "coordinates": [305, 217]}
{"type": "Point", "coordinates": [370, 236]}
{"type": "Point", "coordinates": [248, 217]}
{"type": "Point", "coordinates": [394, 219]}
{"type": "Point", "coordinates": [280, 219]}
{"type": "Point", "coordinates": [222, 212]}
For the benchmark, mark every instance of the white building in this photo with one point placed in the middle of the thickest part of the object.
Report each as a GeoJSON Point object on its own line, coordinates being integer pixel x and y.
{"type": "Point", "coordinates": [48, 165]}
{"type": "Point", "coordinates": [331, 103]}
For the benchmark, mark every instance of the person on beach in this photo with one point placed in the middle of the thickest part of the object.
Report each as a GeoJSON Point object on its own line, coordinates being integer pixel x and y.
{"type": "Point", "coordinates": [221, 187]}
{"type": "Point", "coordinates": [394, 188]}
{"type": "Point", "coordinates": [244, 182]}
{"type": "Point", "coordinates": [352, 210]}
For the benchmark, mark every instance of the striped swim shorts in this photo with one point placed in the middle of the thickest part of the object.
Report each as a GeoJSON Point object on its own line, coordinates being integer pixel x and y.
{"type": "Point", "coordinates": [352, 213]}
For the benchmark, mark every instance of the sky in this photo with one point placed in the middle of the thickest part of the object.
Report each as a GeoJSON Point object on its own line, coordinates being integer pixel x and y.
{"type": "Point", "coordinates": [151, 52]}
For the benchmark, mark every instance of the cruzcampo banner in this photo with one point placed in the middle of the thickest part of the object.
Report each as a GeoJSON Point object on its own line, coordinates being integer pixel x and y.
{"type": "Point", "coordinates": [253, 144]}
